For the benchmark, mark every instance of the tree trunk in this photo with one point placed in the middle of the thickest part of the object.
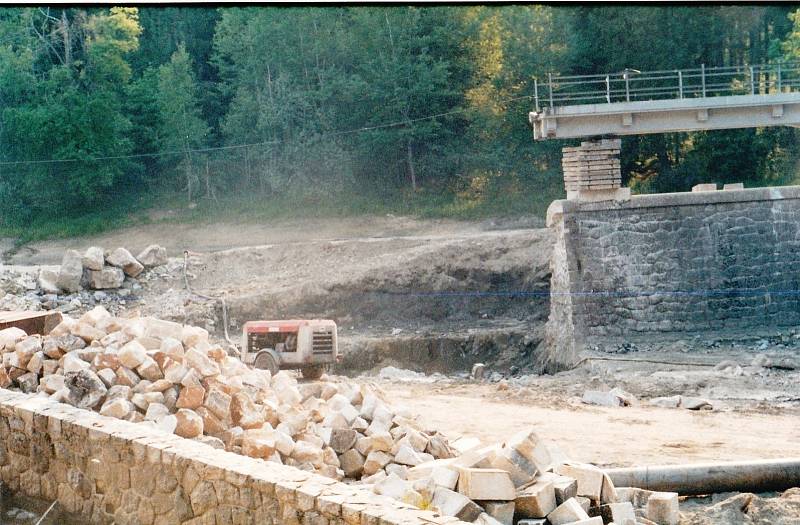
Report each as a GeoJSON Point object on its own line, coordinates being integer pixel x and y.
{"type": "Point", "coordinates": [188, 177]}
{"type": "Point", "coordinates": [67, 40]}
{"type": "Point", "coordinates": [411, 170]}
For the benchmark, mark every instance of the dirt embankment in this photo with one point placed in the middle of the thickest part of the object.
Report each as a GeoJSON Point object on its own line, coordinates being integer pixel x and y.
{"type": "Point", "coordinates": [438, 294]}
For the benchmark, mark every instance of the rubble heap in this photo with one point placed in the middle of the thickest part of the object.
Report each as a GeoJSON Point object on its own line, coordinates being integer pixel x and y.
{"type": "Point", "coordinates": [170, 376]}
{"type": "Point", "coordinates": [99, 270]}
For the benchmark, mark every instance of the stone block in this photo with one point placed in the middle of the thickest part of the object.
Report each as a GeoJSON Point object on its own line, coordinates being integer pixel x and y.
{"type": "Point", "coordinates": [663, 508]}
{"type": "Point", "coordinates": [71, 272]}
{"type": "Point", "coordinates": [502, 511]}
{"type": "Point", "coordinates": [132, 354]}
{"type": "Point", "coordinates": [537, 500]}
{"type": "Point", "coordinates": [588, 477]}
{"type": "Point", "coordinates": [352, 463]}
{"type": "Point", "coordinates": [376, 461]}
{"type": "Point", "coordinates": [106, 278]}
{"type": "Point", "coordinates": [122, 258]}
{"type": "Point", "coordinates": [452, 503]}
{"type": "Point", "coordinates": [441, 471]}
{"type": "Point", "coordinates": [342, 439]}
{"type": "Point", "coordinates": [619, 513]}
{"type": "Point", "coordinates": [710, 186]}
{"type": "Point", "coordinates": [486, 484]}
{"type": "Point", "coordinates": [93, 258]}
{"type": "Point", "coordinates": [568, 512]}
{"type": "Point", "coordinates": [153, 255]}
{"type": "Point", "coordinates": [189, 424]}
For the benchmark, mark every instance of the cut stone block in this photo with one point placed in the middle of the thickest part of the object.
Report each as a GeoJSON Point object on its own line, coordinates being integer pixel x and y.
{"type": "Point", "coordinates": [452, 503]}
{"type": "Point", "coordinates": [619, 513]}
{"type": "Point", "coordinates": [568, 512]}
{"type": "Point", "coordinates": [711, 186]}
{"type": "Point", "coordinates": [537, 500]}
{"type": "Point", "coordinates": [122, 258]}
{"type": "Point", "coordinates": [589, 478]}
{"type": "Point", "coordinates": [486, 484]}
{"type": "Point", "coordinates": [441, 471]}
{"type": "Point", "coordinates": [564, 486]}
{"type": "Point", "coordinates": [486, 519]}
{"type": "Point", "coordinates": [502, 511]}
{"type": "Point", "coordinates": [662, 507]}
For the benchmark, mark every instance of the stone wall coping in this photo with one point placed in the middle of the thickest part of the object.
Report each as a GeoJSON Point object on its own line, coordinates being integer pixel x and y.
{"type": "Point", "coordinates": [153, 446]}
{"type": "Point", "coordinates": [668, 200]}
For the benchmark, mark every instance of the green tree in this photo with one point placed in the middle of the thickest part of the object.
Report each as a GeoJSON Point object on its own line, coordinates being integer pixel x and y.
{"type": "Point", "coordinates": [181, 126]}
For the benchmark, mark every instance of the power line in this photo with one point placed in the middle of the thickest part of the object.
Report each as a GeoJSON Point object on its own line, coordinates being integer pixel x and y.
{"type": "Point", "coordinates": [254, 144]}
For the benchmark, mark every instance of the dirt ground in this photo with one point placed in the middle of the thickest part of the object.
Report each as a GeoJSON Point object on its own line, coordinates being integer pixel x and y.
{"type": "Point", "coordinates": [609, 437]}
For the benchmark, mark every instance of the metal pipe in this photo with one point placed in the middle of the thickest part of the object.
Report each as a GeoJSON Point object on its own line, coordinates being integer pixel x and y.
{"type": "Point", "coordinates": [608, 89]}
{"type": "Point", "coordinates": [680, 84]}
{"type": "Point", "coordinates": [710, 478]}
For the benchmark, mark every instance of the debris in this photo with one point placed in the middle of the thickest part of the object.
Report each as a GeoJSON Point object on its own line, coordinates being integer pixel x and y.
{"type": "Point", "coordinates": [153, 255]}
{"type": "Point", "coordinates": [613, 398]}
{"type": "Point", "coordinates": [71, 272]}
{"type": "Point", "coordinates": [477, 371]}
{"type": "Point", "coordinates": [122, 258]}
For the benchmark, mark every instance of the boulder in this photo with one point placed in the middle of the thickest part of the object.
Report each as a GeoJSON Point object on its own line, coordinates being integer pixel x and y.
{"type": "Point", "coordinates": [93, 258]}
{"type": "Point", "coordinates": [122, 258]}
{"type": "Point", "coordinates": [119, 408]}
{"type": "Point", "coordinates": [86, 390]}
{"type": "Point", "coordinates": [153, 255]}
{"type": "Point", "coordinates": [28, 383]}
{"type": "Point", "coordinates": [200, 362]}
{"type": "Point", "coordinates": [191, 397]}
{"type": "Point", "coordinates": [105, 278]}
{"type": "Point", "coordinates": [71, 272]}
{"type": "Point", "coordinates": [9, 338]}
{"type": "Point", "coordinates": [48, 280]}
{"type": "Point", "coordinates": [352, 463]}
{"type": "Point", "coordinates": [132, 354]}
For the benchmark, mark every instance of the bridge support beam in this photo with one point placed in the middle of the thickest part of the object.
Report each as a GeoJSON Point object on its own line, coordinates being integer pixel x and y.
{"type": "Point", "coordinates": [661, 116]}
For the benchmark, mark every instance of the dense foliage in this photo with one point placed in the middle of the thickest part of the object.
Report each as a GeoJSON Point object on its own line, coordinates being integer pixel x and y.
{"type": "Point", "coordinates": [100, 106]}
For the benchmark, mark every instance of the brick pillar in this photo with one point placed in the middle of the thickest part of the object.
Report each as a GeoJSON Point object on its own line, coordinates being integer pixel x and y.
{"type": "Point", "coordinates": [592, 168]}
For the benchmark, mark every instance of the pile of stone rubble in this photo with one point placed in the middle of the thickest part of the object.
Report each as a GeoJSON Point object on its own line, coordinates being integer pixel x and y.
{"type": "Point", "coordinates": [173, 377]}
{"type": "Point", "coordinates": [99, 270]}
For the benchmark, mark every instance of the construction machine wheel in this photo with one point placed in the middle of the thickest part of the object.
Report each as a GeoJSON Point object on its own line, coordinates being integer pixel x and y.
{"type": "Point", "coordinates": [312, 372]}
{"type": "Point", "coordinates": [265, 361]}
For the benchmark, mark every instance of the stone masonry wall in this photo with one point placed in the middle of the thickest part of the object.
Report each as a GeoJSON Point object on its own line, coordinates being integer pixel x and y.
{"type": "Point", "coordinates": [674, 263]}
{"type": "Point", "coordinates": [106, 470]}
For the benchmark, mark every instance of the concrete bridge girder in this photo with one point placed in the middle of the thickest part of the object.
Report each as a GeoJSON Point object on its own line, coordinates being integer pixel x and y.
{"type": "Point", "coordinates": [662, 116]}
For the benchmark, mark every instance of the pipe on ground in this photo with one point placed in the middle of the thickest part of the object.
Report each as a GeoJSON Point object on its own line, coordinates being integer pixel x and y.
{"type": "Point", "coordinates": [709, 478]}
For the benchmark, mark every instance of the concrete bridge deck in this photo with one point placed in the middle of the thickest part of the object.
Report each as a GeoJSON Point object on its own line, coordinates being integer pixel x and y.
{"type": "Point", "coordinates": [666, 101]}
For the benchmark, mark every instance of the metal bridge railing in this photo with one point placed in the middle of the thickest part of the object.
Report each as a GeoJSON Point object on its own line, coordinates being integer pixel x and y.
{"type": "Point", "coordinates": [632, 85]}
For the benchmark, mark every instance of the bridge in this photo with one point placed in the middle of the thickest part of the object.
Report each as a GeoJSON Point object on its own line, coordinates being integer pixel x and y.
{"type": "Point", "coordinates": [632, 102]}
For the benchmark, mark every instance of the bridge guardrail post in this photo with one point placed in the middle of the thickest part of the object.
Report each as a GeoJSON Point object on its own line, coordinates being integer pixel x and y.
{"type": "Point", "coordinates": [680, 84]}
{"type": "Point", "coordinates": [703, 78]}
{"type": "Point", "coordinates": [550, 86]}
{"type": "Point", "coordinates": [752, 82]}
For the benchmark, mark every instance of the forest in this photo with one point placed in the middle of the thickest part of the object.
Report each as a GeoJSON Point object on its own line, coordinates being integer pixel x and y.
{"type": "Point", "coordinates": [313, 110]}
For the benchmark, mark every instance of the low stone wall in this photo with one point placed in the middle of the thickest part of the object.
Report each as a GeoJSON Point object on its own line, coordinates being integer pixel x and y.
{"type": "Point", "coordinates": [110, 471]}
{"type": "Point", "coordinates": [673, 263]}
